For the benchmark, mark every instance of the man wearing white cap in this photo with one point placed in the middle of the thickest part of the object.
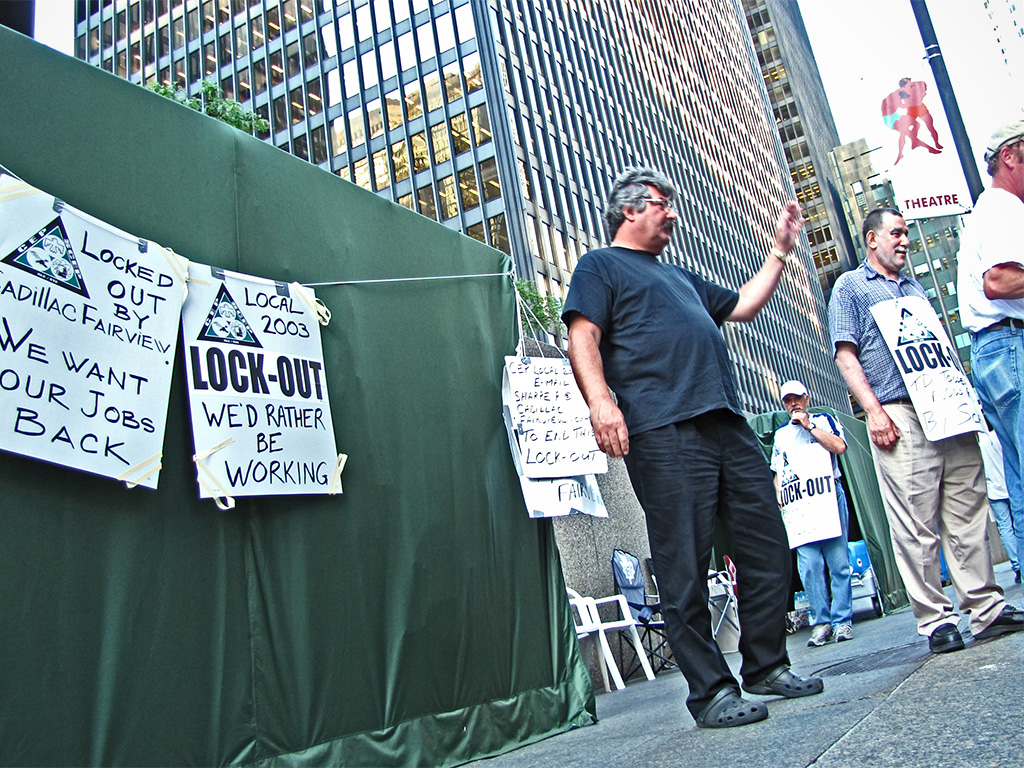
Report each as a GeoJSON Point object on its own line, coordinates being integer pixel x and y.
{"type": "Point", "coordinates": [829, 617]}
{"type": "Point", "coordinates": [991, 288]}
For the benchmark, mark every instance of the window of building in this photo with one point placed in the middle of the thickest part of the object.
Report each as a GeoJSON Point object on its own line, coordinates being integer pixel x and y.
{"type": "Point", "coordinates": [498, 233]}
{"type": "Point", "coordinates": [476, 231]}
{"type": "Point", "coordinates": [468, 191]}
{"type": "Point", "coordinates": [425, 201]}
{"type": "Point", "coordinates": [361, 173]}
{"type": "Point", "coordinates": [425, 39]}
{"type": "Point", "coordinates": [256, 37]}
{"type": "Point", "coordinates": [301, 147]}
{"type": "Point", "coordinates": [481, 125]}
{"type": "Point", "coordinates": [356, 132]}
{"type": "Point", "coordinates": [227, 87]}
{"type": "Point", "coordinates": [405, 201]}
{"type": "Point", "coordinates": [393, 108]}
{"type": "Point", "coordinates": [241, 41]}
{"type": "Point", "coordinates": [400, 160]}
{"type": "Point", "coordinates": [446, 196]}
{"type": "Point", "coordinates": [280, 114]}
{"type": "Point", "coordinates": [314, 101]}
{"type": "Point", "coordinates": [464, 28]}
{"type": "Point", "coordinates": [452, 83]}
{"type": "Point", "coordinates": [363, 23]}
{"type": "Point", "coordinates": [375, 118]}
{"type": "Point", "coordinates": [471, 69]}
{"type": "Point", "coordinates": [318, 144]}
{"type": "Point", "coordinates": [310, 54]}
{"type": "Point", "coordinates": [369, 67]}
{"type": "Point", "coordinates": [294, 60]}
{"type": "Point", "coordinates": [406, 51]}
{"type": "Point", "coordinates": [381, 177]}
{"type": "Point", "coordinates": [225, 49]}
{"type": "Point", "coordinates": [388, 63]}
{"type": "Point", "coordinates": [273, 23]}
{"type": "Point", "coordinates": [298, 108]}
{"type": "Point", "coordinates": [345, 32]}
{"type": "Point", "coordinates": [333, 87]}
{"type": "Point", "coordinates": [338, 143]}
{"type": "Point", "coordinates": [460, 133]}
{"type": "Point", "coordinates": [489, 179]}
{"type": "Point", "coordinates": [290, 13]}
{"type": "Point", "coordinates": [259, 75]}
{"type": "Point", "coordinates": [413, 102]}
{"type": "Point", "coordinates": [445, 33]}
{"type": "Point", "coordinates": [276, 68]}
{"type": "Point", "coordinates": [420, 160]}
{"type": "Point", "coordinates": [439, 139]}
{"type": "Point", "coordinates": [432, 87]}
{"type": "Point", "coordinates": [343, 173]}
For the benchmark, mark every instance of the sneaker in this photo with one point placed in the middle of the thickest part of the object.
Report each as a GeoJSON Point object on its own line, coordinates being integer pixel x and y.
{"type": "Point", "coordinates": [844, 632]}
{"type": "Point", "coordinates": [820, 635]}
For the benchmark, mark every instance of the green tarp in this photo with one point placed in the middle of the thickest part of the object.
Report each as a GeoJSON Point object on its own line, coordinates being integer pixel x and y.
{"type": "Point", "coordinates": [420, 618]}
{"type": "Point", "coordinates": [864, 497]}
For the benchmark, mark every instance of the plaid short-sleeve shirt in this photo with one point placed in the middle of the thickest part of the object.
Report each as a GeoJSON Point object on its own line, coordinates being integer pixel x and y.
{"type": "Point", "coordinates": [850, 319]}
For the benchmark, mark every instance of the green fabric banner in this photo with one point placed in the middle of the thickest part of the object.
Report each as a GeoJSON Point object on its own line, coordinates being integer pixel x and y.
{"type": "Point", "coordinates": [419, 618]}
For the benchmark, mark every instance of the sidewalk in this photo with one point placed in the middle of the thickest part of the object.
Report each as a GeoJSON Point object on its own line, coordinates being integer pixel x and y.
{"type": "Point", "coordinates": [888, 701]}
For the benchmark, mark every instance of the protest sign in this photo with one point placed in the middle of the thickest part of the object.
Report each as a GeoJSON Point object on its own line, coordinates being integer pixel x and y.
{"type": "Point", "coordinates": [261, 420]}
{"type": "Point", "coordinates": [88, 332]}
{"type": "Point", "coordinates": [808, 495]}
{"type": "Point", "coordinates": [547, 419]}
{"type": "Point", "coordinates": [942, 395]}
{"type": "Point", "coordinates": [561, 496]}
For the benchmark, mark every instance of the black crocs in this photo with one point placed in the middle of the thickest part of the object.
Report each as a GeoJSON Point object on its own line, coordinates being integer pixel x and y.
{"type": "Point", "coordinates": [783, 682]}
{"type": "Point", "coordinates": [728, 709]}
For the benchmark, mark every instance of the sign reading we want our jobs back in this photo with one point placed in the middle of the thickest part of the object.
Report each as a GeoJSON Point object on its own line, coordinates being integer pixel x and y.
{"type": "Point", "coordinates": [88, 330]}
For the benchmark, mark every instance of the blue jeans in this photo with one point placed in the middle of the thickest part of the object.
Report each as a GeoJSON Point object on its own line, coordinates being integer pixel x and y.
{"type": "Point", "coordinates": [1001, 512]}
{"type": "Point", "coordinates": [811, 560]}
{"type": "Point", "coordinates": [997, 362]}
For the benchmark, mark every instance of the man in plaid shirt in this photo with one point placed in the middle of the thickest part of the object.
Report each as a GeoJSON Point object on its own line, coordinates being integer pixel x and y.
{"type": "Point", "coordinates": [934, 492]}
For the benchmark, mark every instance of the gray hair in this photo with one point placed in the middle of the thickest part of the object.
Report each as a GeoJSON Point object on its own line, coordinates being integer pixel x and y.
{"type": "Point", "coordinates": [629, 190]}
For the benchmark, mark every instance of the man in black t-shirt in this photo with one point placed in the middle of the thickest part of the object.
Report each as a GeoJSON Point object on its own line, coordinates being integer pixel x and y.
{"type": "Point", "coordinates": [650, 331]}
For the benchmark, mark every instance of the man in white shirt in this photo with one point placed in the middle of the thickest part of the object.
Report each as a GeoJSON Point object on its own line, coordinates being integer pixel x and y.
{"type": "Point", "coordinates": [991, 289]}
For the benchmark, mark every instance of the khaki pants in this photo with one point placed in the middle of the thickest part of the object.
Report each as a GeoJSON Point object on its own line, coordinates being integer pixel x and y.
{"type": "Point", "coordinates": [938, 486]}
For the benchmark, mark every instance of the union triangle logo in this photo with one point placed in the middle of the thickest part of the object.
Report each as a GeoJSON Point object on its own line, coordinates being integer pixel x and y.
{"type": "Point", "coordinates": [913, 330]}
{"type": "Point", "coordinates": [226, 324]}
{"type": "Point", "coordinates": [48, 255]}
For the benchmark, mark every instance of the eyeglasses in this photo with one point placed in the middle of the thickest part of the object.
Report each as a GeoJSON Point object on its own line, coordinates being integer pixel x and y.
{"type": "Point", "coordinates": [662, 202]}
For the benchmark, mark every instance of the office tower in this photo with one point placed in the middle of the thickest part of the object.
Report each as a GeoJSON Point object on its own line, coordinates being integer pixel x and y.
{"type": "Point", "coordinates": [508, 120]}
{"type": "Point", "coordinates": [806, 128]}
{"type": "Point", "coordinates": [934, 242]}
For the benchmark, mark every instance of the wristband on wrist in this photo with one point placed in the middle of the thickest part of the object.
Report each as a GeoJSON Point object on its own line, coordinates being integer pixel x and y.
{"type": "Point", "coordinates": [781, 255]}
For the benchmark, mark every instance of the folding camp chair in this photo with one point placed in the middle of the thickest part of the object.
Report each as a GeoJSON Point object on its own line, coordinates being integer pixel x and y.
{"type": "Point", "coordinates": [629, 580]}
{"type": "Point", "coordinates": [725, 622]}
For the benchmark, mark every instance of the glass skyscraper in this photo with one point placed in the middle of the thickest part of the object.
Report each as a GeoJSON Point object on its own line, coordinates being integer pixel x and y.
{"type": "Point", "coordinates": [507, 120]}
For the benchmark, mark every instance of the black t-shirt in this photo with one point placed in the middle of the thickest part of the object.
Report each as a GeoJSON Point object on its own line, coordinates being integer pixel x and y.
{"type": "Point", "coordinates": [663, 353]}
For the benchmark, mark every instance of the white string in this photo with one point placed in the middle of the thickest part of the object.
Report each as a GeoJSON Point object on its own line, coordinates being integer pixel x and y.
{"type": "Point", "coordinates": [406, 279]}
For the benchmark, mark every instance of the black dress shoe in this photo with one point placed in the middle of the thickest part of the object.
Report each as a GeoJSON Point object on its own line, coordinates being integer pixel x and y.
{"type": "Point", "coordinates": [946, 638]}
{"type": "Point", "coordinates": [1010, 619]}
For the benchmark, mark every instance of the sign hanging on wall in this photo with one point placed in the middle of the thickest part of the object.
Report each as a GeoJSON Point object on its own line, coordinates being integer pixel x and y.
{"type": "Point", "coordinates": [261, 419]}
{"type": "Point", "coordinates": [548, 421]}
{"type": "Point", "coordinates": [88, 332]}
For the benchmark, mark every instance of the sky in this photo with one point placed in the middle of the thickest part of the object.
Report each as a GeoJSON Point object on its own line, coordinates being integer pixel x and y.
{"type": "Point", "coordinates": [862, 50]}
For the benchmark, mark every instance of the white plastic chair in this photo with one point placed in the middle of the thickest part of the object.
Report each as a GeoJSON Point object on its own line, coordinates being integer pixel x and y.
{"type": "Point", "coordinates": [591, 624]}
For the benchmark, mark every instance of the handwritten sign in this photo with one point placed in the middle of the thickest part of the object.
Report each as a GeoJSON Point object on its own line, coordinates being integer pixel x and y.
{"type": "Point", "coordinates": [561, 496]}
{"type": "Point", "coordinates": [261, 419]}
{"type": "Point", "coordinates": [810, 510]}
{"type": "Point", "coordinates": [943, 397]}
{"type": "Point", "coordinates": [548, 420]}
{"type": "Point", "coordinates": [88, 332]}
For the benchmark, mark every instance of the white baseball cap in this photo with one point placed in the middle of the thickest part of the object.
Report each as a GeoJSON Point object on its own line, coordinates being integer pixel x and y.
{"type": "Point", "coordinates": [1007, 134]}
{"type": "Point", "coordinates": [792, 387]}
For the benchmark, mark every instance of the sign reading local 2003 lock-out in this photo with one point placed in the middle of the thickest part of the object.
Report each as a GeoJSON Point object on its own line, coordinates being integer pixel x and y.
{"type": "Point", "coordinates": [942, 395]}
{"type": "Point", "coordinates": [88, 331]}
{"type": "Point", "coordinates": [261, 419]}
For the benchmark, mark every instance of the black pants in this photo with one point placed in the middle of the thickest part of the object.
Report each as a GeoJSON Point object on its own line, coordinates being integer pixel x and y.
{"type": "Point", "coordinates": [685, 475]}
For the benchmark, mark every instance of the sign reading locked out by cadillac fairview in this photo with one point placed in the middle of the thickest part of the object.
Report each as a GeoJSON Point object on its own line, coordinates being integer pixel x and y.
{"type": "Point", "coordinates": [548, 420]}
{"type": "Point", "coordinates": [261, 419]}
{"type": "Point", "coordinates": [88, 334]}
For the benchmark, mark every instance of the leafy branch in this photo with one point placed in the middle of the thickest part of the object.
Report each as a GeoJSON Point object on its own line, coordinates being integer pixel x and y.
{"type": "Point", "coordinates": [211, 101]}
